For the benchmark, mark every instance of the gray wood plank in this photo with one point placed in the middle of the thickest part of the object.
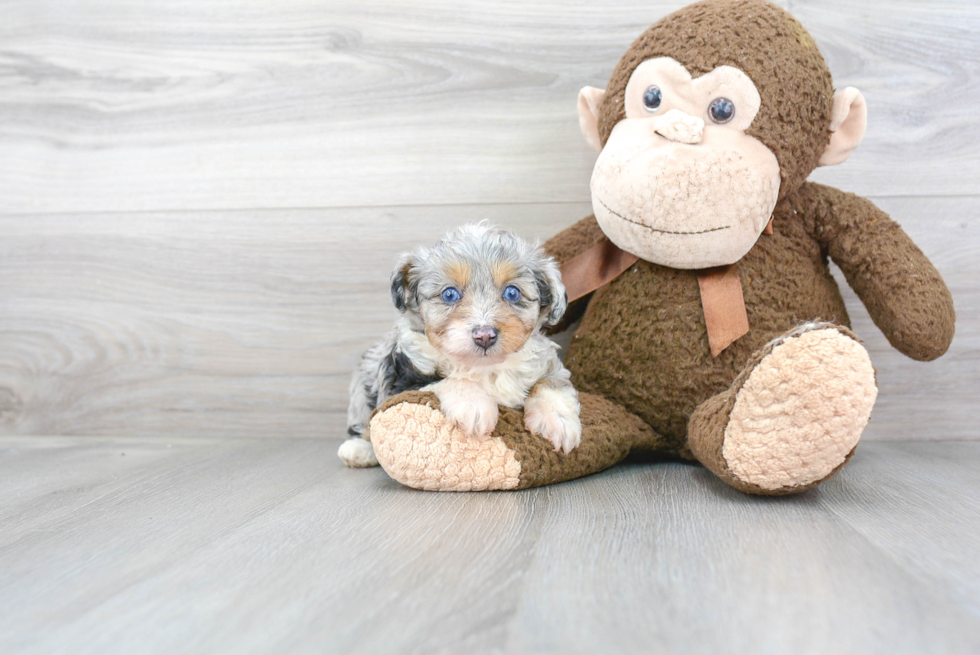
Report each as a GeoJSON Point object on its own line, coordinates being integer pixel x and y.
{"type": "Point", "coordinates": [107, 106]}
{"type": "Point", "coordinates": [244, 323]}
{"type": "Point", "coordinates": [270, 545]}
{"type": "Point", "coordinates": [937, 497]}
{"type": "Point", "coordinates": [144, 498]}
{"type": "Point", "coordinates": [249, 323]}
{"type": "Point", "coordinates": [674, 561]}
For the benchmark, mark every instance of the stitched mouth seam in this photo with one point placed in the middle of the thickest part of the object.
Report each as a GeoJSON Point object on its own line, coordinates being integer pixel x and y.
{"type": "Point", "coordinates": [653, 229]}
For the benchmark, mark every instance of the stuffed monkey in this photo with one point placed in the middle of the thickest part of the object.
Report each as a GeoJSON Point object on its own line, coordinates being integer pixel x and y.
{"type": "Point", "coordinates": [711, 327]}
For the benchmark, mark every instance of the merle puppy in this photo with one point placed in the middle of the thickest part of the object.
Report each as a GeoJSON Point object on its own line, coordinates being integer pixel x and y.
{"type": "Point", "coordinates": [472, 308]}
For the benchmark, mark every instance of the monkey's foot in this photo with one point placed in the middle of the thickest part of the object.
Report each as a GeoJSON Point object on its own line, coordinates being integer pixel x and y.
{"type": "Point", "coordinates": [793, 417]}
{"type": "Point", "coordinates": [418, 446]}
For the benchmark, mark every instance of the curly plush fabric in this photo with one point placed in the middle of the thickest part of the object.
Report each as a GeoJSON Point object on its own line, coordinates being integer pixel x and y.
{"type": "Point", "coordinates": [904, 293]}
{"type": "Point", "coordinates": [417, 446]}
{"type": "Point", "coordinates": [777, 411]}
{"type": "Point", "coordinates": [782, 426]}
{"type": "Point", "coordinates": [763, 41]}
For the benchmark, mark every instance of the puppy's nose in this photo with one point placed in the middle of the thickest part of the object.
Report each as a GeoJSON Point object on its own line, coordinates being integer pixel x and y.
{"type": "Point", "coordinates": [484, 336]}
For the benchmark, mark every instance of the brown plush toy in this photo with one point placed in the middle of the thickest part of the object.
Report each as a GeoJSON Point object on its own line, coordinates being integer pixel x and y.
{"type": "Point", "coordinates": [711, 326]}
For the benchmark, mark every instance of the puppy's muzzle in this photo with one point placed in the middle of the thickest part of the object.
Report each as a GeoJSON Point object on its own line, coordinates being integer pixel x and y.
{"type": "Point", "coordinates": [484, 336]}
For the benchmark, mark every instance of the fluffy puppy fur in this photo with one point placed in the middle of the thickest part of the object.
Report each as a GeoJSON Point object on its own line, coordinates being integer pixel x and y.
{"type": "Point", "coordinates": [472, 309]}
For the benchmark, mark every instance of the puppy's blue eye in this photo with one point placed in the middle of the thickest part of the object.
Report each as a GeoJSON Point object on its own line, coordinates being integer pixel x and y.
{"type": "Point", "coordinates": [512, 294]}
{"type": "Point", "coordinates": [450, 295]}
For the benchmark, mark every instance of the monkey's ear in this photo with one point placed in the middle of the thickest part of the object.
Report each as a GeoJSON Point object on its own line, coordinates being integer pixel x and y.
{"type": "Point", "coordinates": [848, 121]}
{"type": "Point", "coordinates": [588, 115]}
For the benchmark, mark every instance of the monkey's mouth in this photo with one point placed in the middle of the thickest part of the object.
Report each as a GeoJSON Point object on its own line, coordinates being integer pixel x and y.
{"type": "Point", "coordinates": [653, 229]}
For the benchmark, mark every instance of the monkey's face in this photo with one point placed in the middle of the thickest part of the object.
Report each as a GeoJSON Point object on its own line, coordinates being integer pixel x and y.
{"type": "Point", "coordinates": [679, 182]}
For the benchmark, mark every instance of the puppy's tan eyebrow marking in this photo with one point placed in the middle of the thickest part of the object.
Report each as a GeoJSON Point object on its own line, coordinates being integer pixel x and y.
{"type": "Point", "coordinates": [459, 272]}
{"type": "Point", "coordinates": [503, 271]}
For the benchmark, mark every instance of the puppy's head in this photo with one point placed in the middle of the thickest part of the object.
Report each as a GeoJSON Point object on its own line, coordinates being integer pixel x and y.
{"type": "Point", "coordinates": [480, 293]}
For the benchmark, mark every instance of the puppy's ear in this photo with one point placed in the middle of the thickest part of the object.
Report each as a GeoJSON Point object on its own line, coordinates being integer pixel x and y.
{"type": "Point", "coordinates": [551, 291]}
{"type": "Point", "coordinates": [402, 285]}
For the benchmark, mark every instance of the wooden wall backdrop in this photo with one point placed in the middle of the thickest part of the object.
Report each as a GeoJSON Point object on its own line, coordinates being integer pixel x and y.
{"type": "Point", "coordinates": [200, 202]}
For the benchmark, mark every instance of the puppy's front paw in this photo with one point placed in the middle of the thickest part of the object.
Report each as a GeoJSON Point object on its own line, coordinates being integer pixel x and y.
{"type": "Point", "coordinates": [357, 453]}
{"type": "Point", "coordinates": [473, 413]}
{"type": "Point", "coordinates": [556, 422]}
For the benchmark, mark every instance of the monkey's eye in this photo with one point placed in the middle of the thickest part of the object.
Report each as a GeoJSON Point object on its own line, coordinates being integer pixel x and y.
{"type": "Point", "coordinates": [652, 98]}
{"type": "Point", "coordinates": [512, 294]}
{"type": "Point", "coordinates": [721, 110]}
{"type": "Point", "coordinates": [451, 295]}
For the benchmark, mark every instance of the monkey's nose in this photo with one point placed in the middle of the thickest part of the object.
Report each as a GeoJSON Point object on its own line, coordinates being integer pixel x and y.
{"type": "Point", "coordinates": [680, 127]}
{"type": "Point", "coordinates": [484, 336]}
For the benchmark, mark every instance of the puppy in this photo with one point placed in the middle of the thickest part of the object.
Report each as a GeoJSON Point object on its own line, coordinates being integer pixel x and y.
{"type": "Point", "coordinates": [472, 308]}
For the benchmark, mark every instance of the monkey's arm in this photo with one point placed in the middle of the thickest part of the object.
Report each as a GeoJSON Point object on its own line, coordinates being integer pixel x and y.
{"type": "Point", "coordinates": [563, 246]}
{"type": "Point", "coordinates": [903, 291]}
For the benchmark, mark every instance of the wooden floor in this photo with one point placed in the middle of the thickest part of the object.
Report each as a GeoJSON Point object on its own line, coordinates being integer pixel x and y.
{"type": "Point", "coordinates": [124, 545]}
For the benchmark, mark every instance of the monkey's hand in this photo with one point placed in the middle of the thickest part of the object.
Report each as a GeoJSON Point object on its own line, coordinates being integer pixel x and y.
{"type": "Point", "coordinates": [467, 406]}
{"type": "Point", "coordinates": [904, 293]}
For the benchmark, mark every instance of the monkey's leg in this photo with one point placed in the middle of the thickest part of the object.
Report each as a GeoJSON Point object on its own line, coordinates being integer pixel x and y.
{"type": "Point", "coordinates": [793, 417]}
{"type": "Point", "coordinates": [418, 447]}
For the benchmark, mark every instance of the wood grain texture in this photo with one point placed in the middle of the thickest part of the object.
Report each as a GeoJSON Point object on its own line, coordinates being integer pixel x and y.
{"type": "Point", "coordinates": [202, 201]}
{"type": "Point", "coordinates": [269, 545]}
{"type": "Point", "coordinates": [250, 323]}
{"type": "Point", "coordinates": [216, 323]}
{"type": "Point", "coordinates": [241, 104]}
